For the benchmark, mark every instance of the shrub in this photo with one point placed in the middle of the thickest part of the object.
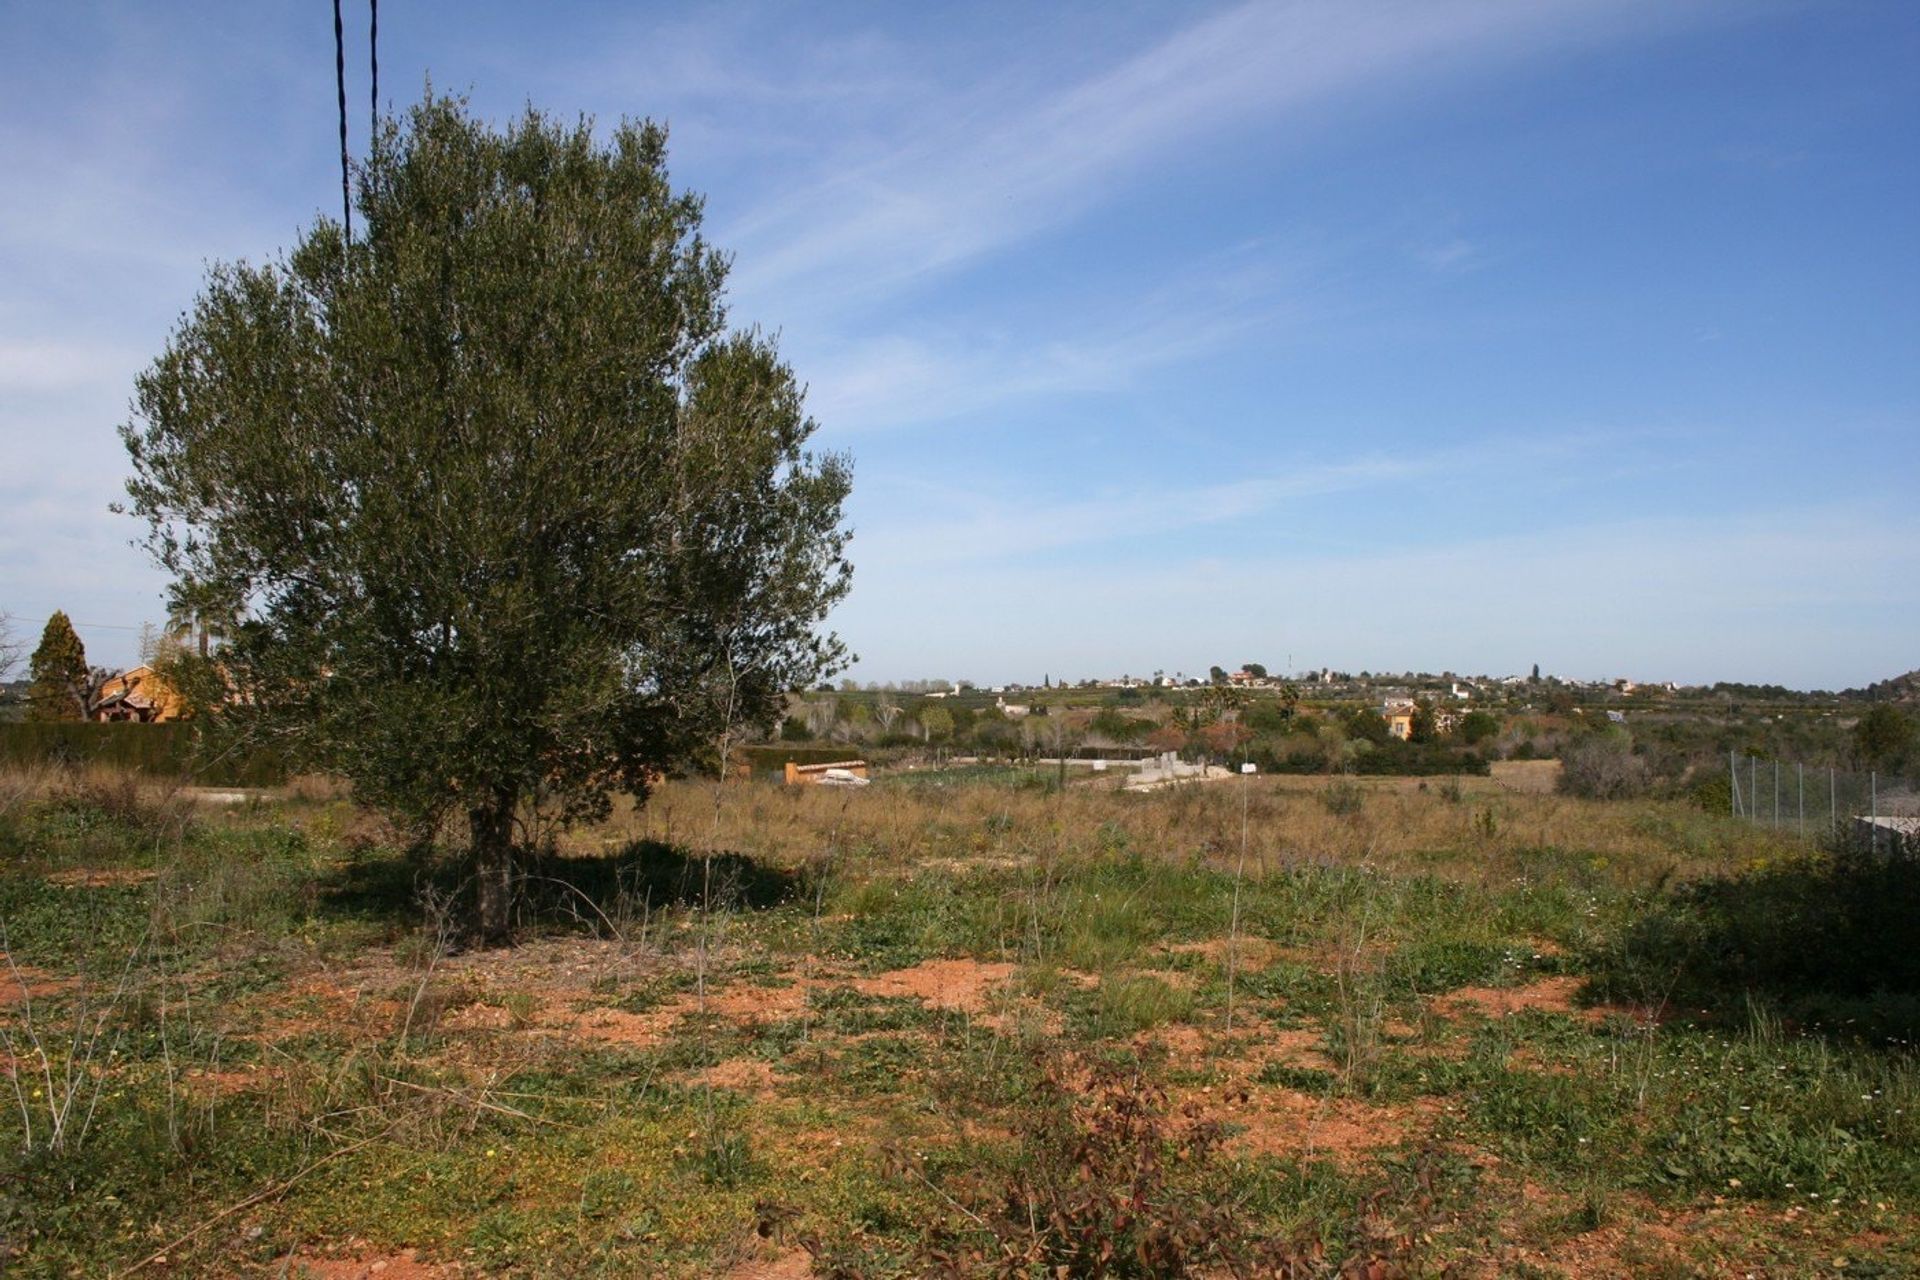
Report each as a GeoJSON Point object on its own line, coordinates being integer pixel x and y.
{"type": "Point", "coordinates": [1344, 797]}
{"type": "Point", "coordinates": [1479, 726]}
{"type": "Point", "coordinates": [1826, 939]}
{"type": "Point", "coordinates": [1110, 1182]}
{"type": "Point", "coordinates": [1712, 791]}
{"type": "Point", "coordinates": [1602, 766]}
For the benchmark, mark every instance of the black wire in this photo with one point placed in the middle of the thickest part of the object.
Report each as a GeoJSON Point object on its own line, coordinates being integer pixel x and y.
{"type": "Point", "coordinates": [340, 79]}
{"type": "Point", "coordinates": [373, 53]}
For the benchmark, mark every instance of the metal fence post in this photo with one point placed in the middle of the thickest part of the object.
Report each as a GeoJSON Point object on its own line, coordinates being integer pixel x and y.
{"type": "Point", "coordinates": [1800, 779]}
{"type": "Point", "coordinates": [1873, 811]}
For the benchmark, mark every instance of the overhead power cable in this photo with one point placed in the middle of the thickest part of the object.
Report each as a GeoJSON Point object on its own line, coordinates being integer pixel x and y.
{"type": "Point", "coordinates": [340, 81]}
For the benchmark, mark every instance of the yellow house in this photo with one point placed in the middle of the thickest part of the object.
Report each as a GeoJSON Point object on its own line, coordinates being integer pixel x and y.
{"type": "Point", "coordinates": [140, 694]}
{"type": "Point", "coordinates": [1398, 713]}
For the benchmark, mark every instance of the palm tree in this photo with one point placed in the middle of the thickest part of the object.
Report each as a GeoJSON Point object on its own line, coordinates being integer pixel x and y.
{"type": "Point", "coordinates": [194, 609]}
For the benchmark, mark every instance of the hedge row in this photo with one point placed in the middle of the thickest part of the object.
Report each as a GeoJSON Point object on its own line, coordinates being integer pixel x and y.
{"type": "Point", "coordinates": [163, 750]}
{"type": "Point", "coordinates": [1398, 760]}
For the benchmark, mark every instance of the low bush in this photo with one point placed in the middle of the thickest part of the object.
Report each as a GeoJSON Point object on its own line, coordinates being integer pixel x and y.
{"type": "Point", "coordinates": [1110, 1181]}
{"type": "Point", "coordinates": [1827, 939]}
{"type": "Point", "coordinates": [1602, 766]}
{"type": "Point", "coordinates": [160, 750]}
{"type": "Point", "coordinates": [1344, 798]}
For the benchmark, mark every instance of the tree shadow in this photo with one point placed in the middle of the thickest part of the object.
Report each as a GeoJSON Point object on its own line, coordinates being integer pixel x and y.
{"type": "Point", "coordinates": [381, 888]}
{"type": "Point", "coordinates": [1826, 942]}
{"type": "Point", "coordinates": [659, 875]}
{"type": "Point", "coordinates": [555, 890]}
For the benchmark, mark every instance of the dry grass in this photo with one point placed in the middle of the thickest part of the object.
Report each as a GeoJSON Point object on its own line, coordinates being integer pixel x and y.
{"type": "Point", "coordinates": [629, 1089]}
{"type": "Point", "coordinates": [1399, 827]}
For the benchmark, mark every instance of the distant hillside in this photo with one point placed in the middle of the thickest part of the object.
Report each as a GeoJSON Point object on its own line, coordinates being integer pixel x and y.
{"type": "Point", "coordinates": [1904, 688]}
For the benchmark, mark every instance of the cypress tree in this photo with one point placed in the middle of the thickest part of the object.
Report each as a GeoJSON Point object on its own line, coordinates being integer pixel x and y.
{"type": "Point", "coordinates": [59, 671]}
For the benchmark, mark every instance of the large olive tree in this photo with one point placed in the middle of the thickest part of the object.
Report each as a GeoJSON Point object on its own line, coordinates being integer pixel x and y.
{"type": "Point", "coordinates": [507, 513]}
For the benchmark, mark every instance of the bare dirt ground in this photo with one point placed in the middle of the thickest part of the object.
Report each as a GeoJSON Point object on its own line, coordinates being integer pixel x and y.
{"type": "Point", "coordinates": [404, 1265]}
{"type": "Point", "coordinates": [1550, 995]}
{"type": "Point", "coordinates": [964, 986]}
{"type": "Point", "coordinates": [21, 983]}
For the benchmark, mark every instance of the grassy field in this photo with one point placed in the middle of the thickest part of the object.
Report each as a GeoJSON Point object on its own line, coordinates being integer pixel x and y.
{"type": "Point", "coordinates": [1266, 1027]}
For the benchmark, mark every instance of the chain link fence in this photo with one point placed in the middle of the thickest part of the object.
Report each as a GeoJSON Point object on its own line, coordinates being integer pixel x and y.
{"type": "Point", "coordinates": [1822, 802]}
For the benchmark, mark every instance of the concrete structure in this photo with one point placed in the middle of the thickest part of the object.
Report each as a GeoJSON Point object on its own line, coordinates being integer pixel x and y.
{"type": "Point", "coordinates": [840, 773]}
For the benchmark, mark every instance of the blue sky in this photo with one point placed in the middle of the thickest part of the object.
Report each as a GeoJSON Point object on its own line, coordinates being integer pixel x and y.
{"type": "Point", "coordinates": [1437, 335]}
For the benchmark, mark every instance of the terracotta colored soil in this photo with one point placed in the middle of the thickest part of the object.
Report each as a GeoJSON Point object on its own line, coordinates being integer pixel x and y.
{"type": "Point", "coordinates": [28, 983]}
{"type": "Point", "coordinates": [479, 1017]}
{"type": "Point", "coordinates": [961, 985]}
{"type": "Point", "coordinates": [1254, 953]}
{"type": "Point", "coordinates": [744, 1001]}
{"type": "Point", "coordinates": [1551, 995]}
{"type": "Point", "coordinates": [1297, 1047]}
{"type": "Point", "coordinates": [227, 1082]}
{"type": "Point", "coordinates": [795, 1265]}
{"type": "Point", "coordinates": [617, 1026]}
{"type": "Point", "coordinates": [404, 1265]}
{"type": "Point", "coordinates": [1281, 1122]}
{"type": "Point", "coordinates": [743, 1075]}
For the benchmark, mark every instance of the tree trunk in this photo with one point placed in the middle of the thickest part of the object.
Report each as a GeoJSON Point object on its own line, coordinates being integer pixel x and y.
{"type": "Point", "coordinates": [492, 828]}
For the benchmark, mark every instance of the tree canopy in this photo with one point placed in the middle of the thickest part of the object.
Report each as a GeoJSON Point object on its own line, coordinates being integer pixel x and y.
{"type": "Point", "coordinates": [1882, 735]}
{"type": "Point", "coordinates": [62, 683]}
{"type": "Point", "coordinates": [502, 511]}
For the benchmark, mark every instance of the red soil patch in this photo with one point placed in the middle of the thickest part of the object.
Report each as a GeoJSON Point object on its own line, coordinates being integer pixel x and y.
{"type": "Point", "coordinates": [1183, 1042]}
{"type": "Point", "coordinates": [1551, 995]}
{"type": "Point", "coordinates": [25, 982]}
{"type": "Point", "coordinates": [1293, 1125]}
{"type": "Point", "coordinates": [479, 1017]}
{"type": "Point", "coordinates": [342, 1006]}
{"type": "Point", "coordinates": [227, 1083]}
{"type": "Point", "coordinates": [794, 1265]}
{"type": "Point", "coordinates": [961, 985]}
{"type": "Point", "coordinates": [745, 1002]}
{"type": "Point", "coordinates": [743, 1075]}
{"type": "Point", "coordinates": [1253, 953]}
{"type": "Point", "coordinates": [739, 1003]}
{"type": "Point", "coordinates": [617, 1026]}
{"type": "Point", "coordinates": [404, 1265]}
{"type": "Point", "coordinates": [1626, 1247]}
{"type": "Point", "coordinates": [1297, 1047]}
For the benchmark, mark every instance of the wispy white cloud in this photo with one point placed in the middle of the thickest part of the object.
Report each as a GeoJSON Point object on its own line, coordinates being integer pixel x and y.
{"type": "Point", "coordinates": [964, 365]}
{"type": "Point", "coordinates": [962, 187]}
{"type": "Point", "coordinates": [1449, 257]}
{"type": "Point", "coordinates": [987, 527]}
